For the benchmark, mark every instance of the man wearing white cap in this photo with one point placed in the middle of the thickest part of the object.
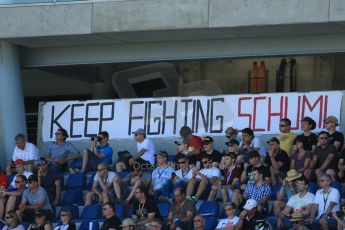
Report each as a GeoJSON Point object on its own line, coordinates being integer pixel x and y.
{"type": "Point", "coordinates": [128, 224]}
{"type": "Point", "coordinates": [250, 217]}
{"type": "Point", "coordinates": [145, 147]}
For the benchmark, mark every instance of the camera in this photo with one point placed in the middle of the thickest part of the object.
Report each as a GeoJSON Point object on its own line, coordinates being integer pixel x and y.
{"type": "Point", "coordinates": [98, 138]}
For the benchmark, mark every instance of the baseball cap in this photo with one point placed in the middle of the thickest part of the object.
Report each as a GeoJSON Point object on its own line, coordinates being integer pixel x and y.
{"type": "Point", "coordinates": [250, 204]}
{"type": "Point", "coordinates": [41, 162]}
{"type": "Point", "coordinates": [230, 154]}
{"type": "Point", "coordinates": [332, 119]}
{"type": "Point", "coordinates": [139, 131]}
{"type": "Point", "coordinates": [207, 140]}
{"type": "Point", "coordinates": [273, 139]}
{"type": "Point", "coordinates": [232, 141]}
{"type": "Point", "coordinates": [127, 222]}
{"type": "Point", "coordinates": [162, 153]}
{"type": "Point", "coordinates": [33, 178]}
{"type": "Point", "coordinates": [19, 162]}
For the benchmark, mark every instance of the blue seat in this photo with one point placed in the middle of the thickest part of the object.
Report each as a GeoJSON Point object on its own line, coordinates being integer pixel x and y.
{"type": "Point", "coordinates": [210, 223]}
{"type": "Point", "coordinates": [209, 208]}
{"type": "Point", "coordinates": [275, 191]}
{"type": "Point", "coordinates": [120, 210]}
{"type": "Point", "coordinates": [91, 212]}
{"type": "Point", "coordinates": [62, 181]}
{"type": "Point", "coordinates": [77, 180]}
{"type": "Point", "coordinates": [90, 182]}
{"type": "Point", "coordinates": [312, 187]}
{"type": "Point", "coordinates": [171, 158]}
{"type": "Point", "coordinates": [163, 209]}
{"type": "Point", "coordinates": [73, 196]}
{"type": "Point", "coordinates": [86, 224]}
{"type": "Point", "coordinates": [74, 209]}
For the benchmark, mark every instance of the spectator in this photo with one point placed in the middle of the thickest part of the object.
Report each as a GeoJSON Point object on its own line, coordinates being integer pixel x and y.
{"type": "Point", "coordinates": [341, 165]}
{"type": "Point", "coordinates": [61, 153]}
{"type": "Point", "coordinates": [20, 171]}
{"type": "Point", "coordinates": [324, 157]}
{"type": "Point", "coordinates": [204, 179]}
{"type": "Point", "coordinates": [12, 221]}
{"type": "Point", "coordinates": [250, 217]}
{"type": "Point", "coordinates": [98, 153]}
{"type": "Point", "coordinates": [40, 221]}
{"type": "Point", "coordinates": [128, 224]}
{"type": "Point", "coordinates": [25, 151]}
{"type": "Point", "coordinates": [301, 159]}
{"type": "Point", "coordinates": [145, 148]}
{"type": "Point", "coordinates": [161, 176]}
{"type": "Point", "coordinates": [298, 221]}
{"type": "Point", "coordinates": [181, 212]}
{"type": "Point", "coordinates": [233, 146]}
{"type": "Point", "coordinates": [288, 189]}
{"type": "Point", "coordinates": [199, 222]}
{"type": "Point", "coordinates": [154, 224]}
{"type": "Point", "coordinates": [308, 124]}
{"type": "Point", "coordinates": [184, 174]}
{"type": "Point", "coordinates": [111, 220]}
{"type": "Point", "coordinates": [136, 178]}
{"type": "Point", "coordinates": [230, 179]}
{"type": "Point", "coordinates": [50, 181]}
{"type": "Point", "coordinates": [260, 191]}
{"type": "Point", "coordinates": [286, 138]}
{"type": "Point", "coordinates": [247, 174]}
{"type": "Point", "coordinates": [276, 159]}
{"type": "Point", "coordinates": [14, 195]}
{"type": "Point", "coordinates": [231, 220]}
{"type": "Point", "coordinates": [325, 202]}
{"type": "Point", "coordinates": [340, 217]}
{"type": "Point", "coordinates": [144, 210]}
{"type": "Point", "coordinates": [216, 156]}
{"type": "Point", "coordinates": [232, 133]}
{"type": "Point", "coordinates": [192, 146]}
{"type": "Point", "coordinates": [65, 218]}
{"type": "Point", "coordinates": [102, 187]}
{"type": "Point", "coordinates": [34, 198]}
{"type": "Point", "coordinates": [299, 203]}
{"type": "Point", "coordinates": [336, 138]}
{"type": "Point", "coordinates": [249, 143]}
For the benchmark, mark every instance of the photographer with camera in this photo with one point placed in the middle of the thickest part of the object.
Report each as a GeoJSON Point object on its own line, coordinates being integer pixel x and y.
{"type": "Point", "coordinates": [98, 153]}
{"type": "Point", "coordinates": [339, 216]}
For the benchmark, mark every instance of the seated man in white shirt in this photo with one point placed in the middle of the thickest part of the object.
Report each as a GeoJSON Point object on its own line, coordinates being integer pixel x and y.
{"type": "Point", "coordinates": [20, 171]}
{"type": "Point", "coordinates": [231, 220]}
{"type": "Point", "coordinates": [326, 202]}
{"type": "Point", "coordinates": [25, 151]}
{"type": "Point", "coordinates": [203, 180]}
{"type": "Point", "coordinates": [181, 177]}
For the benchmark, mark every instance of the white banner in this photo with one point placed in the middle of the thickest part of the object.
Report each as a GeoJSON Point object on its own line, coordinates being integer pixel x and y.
{"type": "Point", "coordinates": [206, 115]}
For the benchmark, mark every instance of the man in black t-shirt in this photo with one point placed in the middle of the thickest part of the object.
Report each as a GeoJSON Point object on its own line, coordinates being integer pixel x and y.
{"type": "Point", "coordinates": [144, 210]}
{"type": "Point", "coordinates": [277, 158]}
{"type": "Point", "coordinates": [50, 181]}
{"type": "Point", "coordinates": [111, 220]}
{"type": "Point", "coordinates": [251, 218]}
{"type": "Point", "coordinates": [215, 155]}
{"type": "Point", "coordinates": [336, 138]}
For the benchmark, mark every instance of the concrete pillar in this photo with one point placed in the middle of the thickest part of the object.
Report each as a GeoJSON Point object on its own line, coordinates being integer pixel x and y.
{"type": "Point", "coordinates": [104, 89]}
{"type": "Point", "coordinates": [12, 111]}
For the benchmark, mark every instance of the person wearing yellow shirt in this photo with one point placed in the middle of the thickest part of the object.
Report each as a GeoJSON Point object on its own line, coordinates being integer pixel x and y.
{"type": "Point", "coordinates": [286, 138]}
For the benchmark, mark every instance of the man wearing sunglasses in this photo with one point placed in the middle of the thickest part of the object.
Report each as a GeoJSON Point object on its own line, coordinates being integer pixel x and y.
{"type": "Point", "coordinates": [102, 187]}
{"type": "Point", "coordinates": [216, 156]}
{"type": "Point", "coordinates": [324, 157]}
{"type": "Point", "coordinates": [145, 148]}
{"type": "Point", "coordinates": [98, 153]}
{"type": "Point", "coordinates": [61, 153]}
{"type": "Point", "coordinates": [203, 179]}
{"type": "Point", "coordinates": [336, 138]}
{"type": "Point", "coordinates": [286, 137]}
{"type": "Point", "coordinates": [231, 220]}
{"type": "Point", "coordinates": [35, 197]}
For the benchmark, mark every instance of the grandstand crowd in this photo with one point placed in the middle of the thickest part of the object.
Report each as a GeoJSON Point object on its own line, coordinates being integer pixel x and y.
{"type": "Point", "coordinates": [294, 181]}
